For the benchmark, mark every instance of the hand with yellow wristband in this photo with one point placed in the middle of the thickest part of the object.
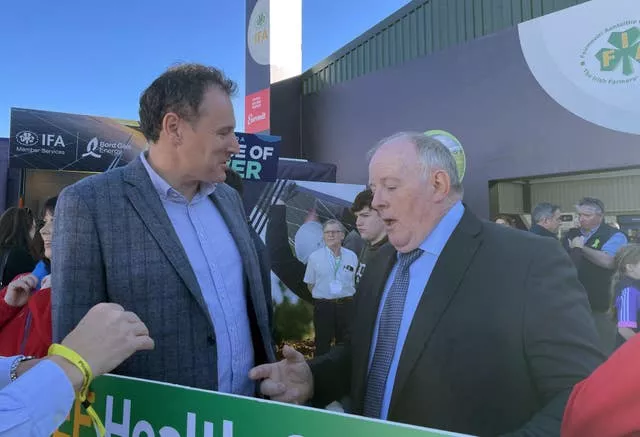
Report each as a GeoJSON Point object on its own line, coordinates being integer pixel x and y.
{"type": "Point", "coordinates": [103, 339]}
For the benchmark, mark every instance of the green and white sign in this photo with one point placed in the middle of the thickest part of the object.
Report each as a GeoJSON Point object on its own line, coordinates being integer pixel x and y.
{"type": "Point", "coordinates": [136, 408]}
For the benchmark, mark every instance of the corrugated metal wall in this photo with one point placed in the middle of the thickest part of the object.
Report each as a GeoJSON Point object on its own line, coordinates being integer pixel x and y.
{"type": "Point", "coordinates": [510, 197]}
{"type": "Point", "coordinates": [420, 28]}
{"type": "Point", "coordinates": [619, 190]}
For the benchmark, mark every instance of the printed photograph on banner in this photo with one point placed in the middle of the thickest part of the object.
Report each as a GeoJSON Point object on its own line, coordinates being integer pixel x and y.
{"type": "Point", "coordinates": [314, 265]}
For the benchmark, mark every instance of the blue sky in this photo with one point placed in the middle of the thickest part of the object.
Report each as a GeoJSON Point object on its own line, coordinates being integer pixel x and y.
{"type": "Point", "coordinates": [96, 57]}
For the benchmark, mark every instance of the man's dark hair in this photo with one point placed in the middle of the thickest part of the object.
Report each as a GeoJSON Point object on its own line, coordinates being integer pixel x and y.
{"type": "Point", "coordinates": [593, 203]}
{"type": "Point", "coordinates": [180, 89]}
{"type": "Point", "coordinates": [363, 200]}
{"type": "Point", "coordinates": [543, 210]}
{"type": "Point", "coordinates": [15, 228]}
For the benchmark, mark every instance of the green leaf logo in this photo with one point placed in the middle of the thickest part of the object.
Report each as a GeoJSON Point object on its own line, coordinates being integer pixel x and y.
{"type": "Point", "coordinates": [626, 50]}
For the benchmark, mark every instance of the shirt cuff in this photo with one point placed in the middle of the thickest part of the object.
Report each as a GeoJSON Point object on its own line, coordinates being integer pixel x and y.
{"type": "Point", "coordinates": [48, 393]}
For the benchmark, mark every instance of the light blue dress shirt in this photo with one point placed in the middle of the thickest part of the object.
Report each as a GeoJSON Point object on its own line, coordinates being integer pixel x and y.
{"type": "Point", "coordinates": [216, 262]}
{"type": "Point", "coordinates": [35, 404]}
{"type": "Point", "coordinates": [419, 273]}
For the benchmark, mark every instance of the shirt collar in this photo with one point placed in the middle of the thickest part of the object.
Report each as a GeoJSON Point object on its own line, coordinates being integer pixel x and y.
{"type": "Point", "coordinates": [589, 233]}
{"type": "Point", "coordinates": [437, 239]}
{"type": "Point", "coordinates": [166, 191]}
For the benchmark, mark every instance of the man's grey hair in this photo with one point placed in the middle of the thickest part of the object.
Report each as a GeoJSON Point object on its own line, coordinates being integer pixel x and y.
{"type": "Point", "coordinates": [334, 222]}
{"type": "Point", "coordinates": [592, 202]}
{"type": "Point", "coordinates": [432, 154]}
{"type": "Point", "coordinates": [543, 211]}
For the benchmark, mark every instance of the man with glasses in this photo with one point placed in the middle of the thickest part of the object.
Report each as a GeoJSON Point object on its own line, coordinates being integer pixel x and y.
{"type": "Point", "coordinates": [330, 276]}
{"type": "Point", "coordinates": [546, 220]}
{"type": "Point", "coordinates": [592, 247]}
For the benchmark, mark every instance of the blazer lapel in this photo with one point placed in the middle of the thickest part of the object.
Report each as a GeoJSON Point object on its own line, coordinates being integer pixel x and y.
{"type": "Point", "coordinates": [443, 284]}
{"type": "Point", "coordinates": [237, 224]}
{"type": "Point", "coordinates": [146, 201]}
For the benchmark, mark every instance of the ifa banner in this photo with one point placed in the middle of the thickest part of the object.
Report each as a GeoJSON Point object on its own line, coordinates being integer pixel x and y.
{"type": "Point", "coordinates": [46, 140]}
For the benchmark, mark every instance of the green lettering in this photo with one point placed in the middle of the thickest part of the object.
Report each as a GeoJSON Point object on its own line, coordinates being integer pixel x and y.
{"type": "Point", "coordinates": [253, 170]}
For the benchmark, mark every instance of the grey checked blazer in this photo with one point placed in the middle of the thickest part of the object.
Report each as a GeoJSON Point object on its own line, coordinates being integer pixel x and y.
{"type": "Point", "coordinates": [113, 242]}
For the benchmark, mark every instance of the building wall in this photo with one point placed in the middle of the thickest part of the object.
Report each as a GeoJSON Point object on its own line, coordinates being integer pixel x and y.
{"type": "Point", "coordinates": [420, 28]}
{"type": "Point", "coordinates": [484, 93]}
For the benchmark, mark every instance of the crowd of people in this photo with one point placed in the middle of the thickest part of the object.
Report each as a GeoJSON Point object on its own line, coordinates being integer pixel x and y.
{"type": "Point", "coordinates": [441, 320]}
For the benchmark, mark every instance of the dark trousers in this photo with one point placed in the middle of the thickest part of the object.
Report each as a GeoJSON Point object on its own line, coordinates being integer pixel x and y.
{"type": "Point", "coordinates": [331, 319]}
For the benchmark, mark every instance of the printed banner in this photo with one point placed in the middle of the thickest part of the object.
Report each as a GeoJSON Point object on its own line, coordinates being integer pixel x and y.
{"type": "Point", "coordinates": [288, 215]}
{"type": "Point", "coordinates": [134, 408]}
{"type": "Point", "coordinates": [593, 70]}
{"type": "Point", "coordinates": [257, 66]}
{"type": "Point", "coordinates": [258, 157]}
{"type": "Point", "coordinates": [72, 142]}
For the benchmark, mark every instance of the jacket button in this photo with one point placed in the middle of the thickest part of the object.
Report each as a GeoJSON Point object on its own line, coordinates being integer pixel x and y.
{"type": "Point", "coordinates": [211, 339]}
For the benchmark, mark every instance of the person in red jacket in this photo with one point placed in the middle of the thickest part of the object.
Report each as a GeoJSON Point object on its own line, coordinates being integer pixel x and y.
{"type": "Point", "coordinates": [25, 304]}
{"type": "Point", "coordinates": [607, 403]}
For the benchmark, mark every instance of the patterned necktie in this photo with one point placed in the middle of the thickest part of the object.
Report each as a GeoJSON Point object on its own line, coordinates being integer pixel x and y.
{"type": "Point", "coordinates": [388, 335]}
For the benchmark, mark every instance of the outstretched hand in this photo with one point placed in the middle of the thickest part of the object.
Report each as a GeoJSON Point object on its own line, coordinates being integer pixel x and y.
{"type": "Point", "coordinates": [289, 380]}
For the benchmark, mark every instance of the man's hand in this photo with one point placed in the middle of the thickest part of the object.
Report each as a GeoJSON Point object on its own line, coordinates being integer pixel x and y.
{"type": "Point", "coordinates": [18, 291]}
{"type": "Point", "coordinates": [107, 336]}
{"type": "Point", "coordinates": [289, 380]}
{"type": "Point", "coordinates": [577, 243]}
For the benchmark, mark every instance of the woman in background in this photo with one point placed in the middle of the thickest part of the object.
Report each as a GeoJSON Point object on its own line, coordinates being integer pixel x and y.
{"type": "Point", "coordinates": [17, 228]}
{"type": "Point", "coordinates": [25, 304]}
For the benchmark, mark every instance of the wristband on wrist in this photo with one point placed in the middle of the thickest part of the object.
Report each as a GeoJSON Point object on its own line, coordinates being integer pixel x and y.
{"type": "Point", "coordinates": [84, 368]}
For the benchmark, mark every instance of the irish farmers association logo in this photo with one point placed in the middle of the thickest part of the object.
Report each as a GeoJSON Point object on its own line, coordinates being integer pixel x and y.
{"type": "Point", "coordinates": [613, 56]}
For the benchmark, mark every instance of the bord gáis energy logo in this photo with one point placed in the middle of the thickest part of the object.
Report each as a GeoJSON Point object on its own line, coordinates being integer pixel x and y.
{"type": "Point", "coordinates": [613, 56]}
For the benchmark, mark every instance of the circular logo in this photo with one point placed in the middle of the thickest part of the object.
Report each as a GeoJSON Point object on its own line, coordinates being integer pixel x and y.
{"type": "Point", "coordinates": [454, 146]}
{"type": "Point", "coordinates": [258, 33]}
{"type": "Point", "coordinates": [612, 57]}
{"type": "Point", "coordinates": [27, 138]}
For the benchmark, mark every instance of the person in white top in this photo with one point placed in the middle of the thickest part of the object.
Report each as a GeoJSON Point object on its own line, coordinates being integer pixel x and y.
{"type": "Point", "coordinates": [330, 276]}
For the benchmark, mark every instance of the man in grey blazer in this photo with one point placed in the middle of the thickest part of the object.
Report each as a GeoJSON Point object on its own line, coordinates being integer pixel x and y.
{"type": "Point", "coordinates": [165, 238]}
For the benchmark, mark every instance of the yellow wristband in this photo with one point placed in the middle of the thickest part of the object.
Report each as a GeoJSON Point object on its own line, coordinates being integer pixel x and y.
{"type": "Point", "coordinates": [74, 358]}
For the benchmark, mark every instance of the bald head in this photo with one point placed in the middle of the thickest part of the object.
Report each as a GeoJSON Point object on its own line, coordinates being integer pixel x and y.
{"type": "Point", "coordinates": [414, 180]}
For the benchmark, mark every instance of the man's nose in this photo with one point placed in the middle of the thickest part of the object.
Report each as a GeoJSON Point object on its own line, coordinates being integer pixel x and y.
{"type": "Point", "coordinates": [234, 147]}
{"type": "Point", "coordinates": [377, 202]}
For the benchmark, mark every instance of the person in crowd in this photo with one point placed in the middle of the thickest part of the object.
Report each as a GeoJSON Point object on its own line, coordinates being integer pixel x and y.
{"type": "Point", "coordinates": [330, 276]}
{"type": "Point", "coordinates": [371, 229]}
{"type": "Point", "coordinates": [626, 291]}
{"type": "Point", "coordinates": [606, 404]}
{"type": "Point", "coordinates": [546, 220]}
{"type": "Point", "coordinates": [17, 228]}
{"type": "Point", "coordinates": [166, 238]}
{"type": "Point", "coordinates": [36, 395]}
{"type": "Point", "coordinates": [505, 220]}
{"type": "Point", "coordinates": [429, 345]}
{"type": "Point", "coordinates": [592, 247]}
{"type": "Point", "coordinates": [25, 304]}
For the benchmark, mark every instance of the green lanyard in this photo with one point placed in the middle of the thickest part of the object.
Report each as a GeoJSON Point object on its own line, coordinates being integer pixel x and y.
{"type": "Point", "coordinates": [337, 260]}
